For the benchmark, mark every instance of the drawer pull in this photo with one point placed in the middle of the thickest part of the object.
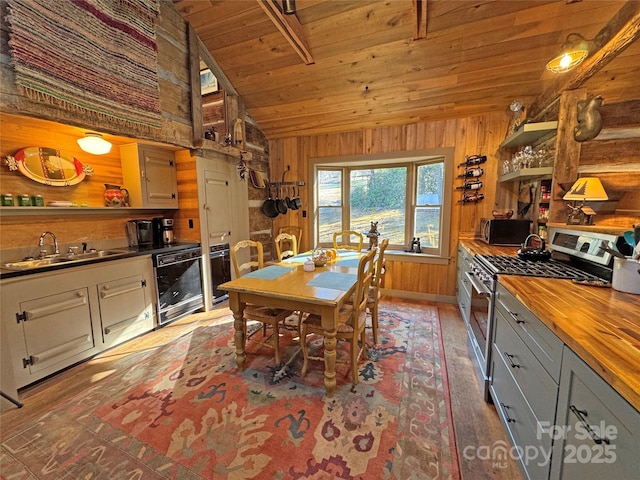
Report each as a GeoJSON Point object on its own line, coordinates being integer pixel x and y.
{"type": "Point", "coordinates": [515, 317]}
{"type": "Point", "coordinates": [581, 414]}
{"type": "Point", "coordinates": [506, 413]}
{"type": "Point", "coordinates": [510, 358]}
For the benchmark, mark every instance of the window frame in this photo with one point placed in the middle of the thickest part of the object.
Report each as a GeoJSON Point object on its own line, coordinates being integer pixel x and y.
{"type": "Point", "coordinates": [411, 160]}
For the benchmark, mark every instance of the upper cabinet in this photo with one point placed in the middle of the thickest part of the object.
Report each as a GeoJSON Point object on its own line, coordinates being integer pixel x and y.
{"type": "Point", "coordinates": [149, 174]}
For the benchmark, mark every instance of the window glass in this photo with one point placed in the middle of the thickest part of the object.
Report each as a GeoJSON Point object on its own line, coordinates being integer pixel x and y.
{"type": "Point", "coordinates": [429, 204]}
{"type": "Point", "coordinates": [329, 204]}
{"type": "Point", "coordinates": [379, 195]}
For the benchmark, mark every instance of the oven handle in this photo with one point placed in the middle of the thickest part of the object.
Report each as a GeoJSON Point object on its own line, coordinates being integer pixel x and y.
{"type": "Point", "coordinates": [478, 286]}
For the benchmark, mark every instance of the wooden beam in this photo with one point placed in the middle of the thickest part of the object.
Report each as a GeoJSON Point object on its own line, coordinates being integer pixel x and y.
{"type": "Point", "coordinates": [419, 19]}
{"type": "Point", "coordinates": [291, 29]}
{"type": "Point", "coordinates": [621, 31]}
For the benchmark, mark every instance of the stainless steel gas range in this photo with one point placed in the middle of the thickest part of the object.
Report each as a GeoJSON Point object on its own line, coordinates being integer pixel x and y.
{"type": "Point", "coordinates": [576, 256]}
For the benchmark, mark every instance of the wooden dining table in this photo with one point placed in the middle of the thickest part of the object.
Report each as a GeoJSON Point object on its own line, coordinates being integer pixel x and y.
{"type": "Point", "coordinates": [287, 285]}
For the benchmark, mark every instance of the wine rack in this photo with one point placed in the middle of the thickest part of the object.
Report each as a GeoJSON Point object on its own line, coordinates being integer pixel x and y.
{"type": "Point", "coordinates": [472, 184]}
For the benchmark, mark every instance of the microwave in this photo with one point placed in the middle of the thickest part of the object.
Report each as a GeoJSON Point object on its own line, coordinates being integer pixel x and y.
{"type": "Point", "coordinates": [502, 231]}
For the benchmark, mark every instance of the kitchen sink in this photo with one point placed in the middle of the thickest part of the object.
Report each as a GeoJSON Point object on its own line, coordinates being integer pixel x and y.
{"type": "Point", "coordinates": [58, 259]}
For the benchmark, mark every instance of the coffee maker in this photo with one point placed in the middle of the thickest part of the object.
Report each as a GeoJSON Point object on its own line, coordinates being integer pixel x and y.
{"type": "Point", "coordinates": [163, 231]}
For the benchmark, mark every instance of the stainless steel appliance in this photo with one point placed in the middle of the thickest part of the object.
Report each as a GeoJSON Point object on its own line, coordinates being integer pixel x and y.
{"type": "Point", "coordinates": [576, 256]}
{"type": "Point", "coordinates": [502, 231]}
{"type": "Point", "coordinates": [140, 233]}
{"type": "Point", "coordinates": [178, 283]}
{"type": "Point", "coordinates": [220, 261]}
{"type": "Point", "coordinates": [163, 231]}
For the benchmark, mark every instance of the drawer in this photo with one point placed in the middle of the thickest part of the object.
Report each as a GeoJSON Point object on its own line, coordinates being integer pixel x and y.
{"type": "Point", "coordinates": [520, 424]}
{"type": "Point", "coordinates": [539, 339]}
{"type": "Point", "coordinates": [536, 385]}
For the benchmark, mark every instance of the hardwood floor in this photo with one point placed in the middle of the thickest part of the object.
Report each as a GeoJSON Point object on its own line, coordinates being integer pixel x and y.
{"type": "Point", "coordinates": [476, 422]}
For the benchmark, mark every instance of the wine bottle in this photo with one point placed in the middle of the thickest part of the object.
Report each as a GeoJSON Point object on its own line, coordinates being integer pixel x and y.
{"type": "Point", "coordinates": [473, 160]}
{"type": "Point", "coordinates": [472, 172]}
{"type": "Point", "coordinates": [470, 186]}
{"type": "Point", "coordinates": [472, 198]}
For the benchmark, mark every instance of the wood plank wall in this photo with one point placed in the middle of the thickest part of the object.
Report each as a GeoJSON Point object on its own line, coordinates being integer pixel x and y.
{"type": "Point", "coordinates": [473, 135]}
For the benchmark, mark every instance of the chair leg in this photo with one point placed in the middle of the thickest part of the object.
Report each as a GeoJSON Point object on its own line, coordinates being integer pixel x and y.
{"type": "Point", "coordinates": [276, 341]}
{"type": "Point", "coordinates": [303, 344]}
{"type": "Point", "coordinates": [354, 358]}
{"type": "Point", "coordinates": [374, 322]}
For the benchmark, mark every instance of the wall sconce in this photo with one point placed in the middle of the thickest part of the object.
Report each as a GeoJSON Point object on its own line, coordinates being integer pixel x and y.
{"type": "Point", "coordinates": [574, 50]}
{"type": "Point", "coordinates": [94, 143]}
{"type": "Point", "coordinates": [585, 189]}
{"type": "Point", "coordinates": [289, 7]}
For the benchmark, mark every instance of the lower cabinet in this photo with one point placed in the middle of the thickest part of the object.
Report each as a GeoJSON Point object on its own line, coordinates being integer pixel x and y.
{"type": "Point", "coordinates": [463, 287]}
{"type": "Point", "coordinates": [598, 432]}
{"type": "Point", "coordinates": [55, 319]}
{"type": "Point", "coordinates": [564, 421]}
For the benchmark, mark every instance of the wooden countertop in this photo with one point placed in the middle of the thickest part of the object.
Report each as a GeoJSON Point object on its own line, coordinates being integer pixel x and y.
{"type": "Point", "coordinates": [601, 325]}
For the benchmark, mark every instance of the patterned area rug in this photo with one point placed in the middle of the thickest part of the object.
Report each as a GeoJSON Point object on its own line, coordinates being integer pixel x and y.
{"type": "Point", "coordinates": [185, 412]}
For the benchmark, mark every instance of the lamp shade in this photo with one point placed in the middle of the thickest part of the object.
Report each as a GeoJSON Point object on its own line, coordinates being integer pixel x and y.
{"type": "Point", "coordinates": [587, 189]}
{"type": "Point", "coordinates": [94, 143]}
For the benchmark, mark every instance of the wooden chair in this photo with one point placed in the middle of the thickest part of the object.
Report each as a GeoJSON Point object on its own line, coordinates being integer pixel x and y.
{"type": "Point", "coordinates": [374, 292]}
{"type": "Point", "coordinates": [351, 323]}
{"type": "Point", "coordinates": [348, 245]}
{"type": "Point", "coordinates": [266, 315]}
{"type": "Point", "coordinates": [286, 246]}
{"type": "Point", "coordinates": [293, 230]}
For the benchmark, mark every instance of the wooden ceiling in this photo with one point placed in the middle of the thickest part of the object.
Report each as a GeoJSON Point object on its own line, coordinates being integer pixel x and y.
{"type": "Point", "coordinates": [360, 64]}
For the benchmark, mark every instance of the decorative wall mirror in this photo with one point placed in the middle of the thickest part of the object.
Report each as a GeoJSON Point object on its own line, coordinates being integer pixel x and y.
{"type": "Point", "coordinates": [48, 166]}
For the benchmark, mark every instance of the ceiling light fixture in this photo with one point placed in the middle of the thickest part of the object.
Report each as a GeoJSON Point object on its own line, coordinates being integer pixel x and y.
{"type": "Point", "coordinates": [289, 7]}
{"type": "Point", "coordinates": [94, 143]}
{"type": "Point", "coordinates": [574, 50]}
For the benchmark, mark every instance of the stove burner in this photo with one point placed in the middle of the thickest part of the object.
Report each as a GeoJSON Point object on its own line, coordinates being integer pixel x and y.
{"type": "Point", "coordinates": [505, 265]}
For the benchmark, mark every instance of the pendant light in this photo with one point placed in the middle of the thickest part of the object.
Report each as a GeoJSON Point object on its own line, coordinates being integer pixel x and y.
{"type": "Point", "coordinates": [289, 7]}
{"type": "Point", "coordinates": [94, 143]}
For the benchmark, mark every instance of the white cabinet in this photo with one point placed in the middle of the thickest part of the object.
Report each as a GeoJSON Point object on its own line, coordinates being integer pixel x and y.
{"type": "Point", "coordinates": [52, 320]}
{"type": "Point", "coordinates": [598, 431]}
{"type": "Point", "coordinates": [150, 176]}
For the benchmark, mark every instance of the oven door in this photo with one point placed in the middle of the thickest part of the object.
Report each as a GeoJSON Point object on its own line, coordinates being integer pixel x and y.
{"type": "Point", "coordinates": [480, 325]}
{"type": "Point", "coordinates": [179, 289]}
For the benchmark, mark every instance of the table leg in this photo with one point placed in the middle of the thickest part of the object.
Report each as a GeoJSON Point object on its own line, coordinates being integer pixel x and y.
{"type": "Point", "coordinates": [240, 326]}
{"type": "Point", "coordinates": [330, 361]}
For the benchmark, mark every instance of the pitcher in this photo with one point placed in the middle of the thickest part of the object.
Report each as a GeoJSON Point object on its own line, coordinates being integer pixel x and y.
{"type": "Point", "coordinates": [115, 196]}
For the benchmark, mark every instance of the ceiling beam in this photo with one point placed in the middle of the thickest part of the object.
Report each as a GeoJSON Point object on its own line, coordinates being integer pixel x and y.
{"type": "Point", "coordinates": [419, 19]}
{"type": "Point", "coordinates": [290, 27]}
{"type": "Point", "coordinates": [621, 31]}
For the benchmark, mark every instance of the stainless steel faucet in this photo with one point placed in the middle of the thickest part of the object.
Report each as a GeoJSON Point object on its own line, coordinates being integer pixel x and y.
{"type": "Point", "coordinates": [55, 244]}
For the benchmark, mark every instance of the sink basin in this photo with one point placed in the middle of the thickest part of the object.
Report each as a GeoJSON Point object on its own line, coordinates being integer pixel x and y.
{"type": "Point", "coordinates": [67, 259]}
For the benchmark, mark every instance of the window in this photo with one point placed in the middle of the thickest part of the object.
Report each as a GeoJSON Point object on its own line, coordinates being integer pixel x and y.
{"type": "Point", "coordinates": [407, 195]}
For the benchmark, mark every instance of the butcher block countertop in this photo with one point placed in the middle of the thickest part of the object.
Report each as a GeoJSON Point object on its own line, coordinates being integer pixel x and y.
{"type": "Point", "coordinates": [601, 325]}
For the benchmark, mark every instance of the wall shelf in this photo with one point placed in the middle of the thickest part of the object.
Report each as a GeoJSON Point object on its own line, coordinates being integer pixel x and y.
{"type": "Point", "coordinates": [529, 133]}
{"type": "Point", "coordinates": [18, 211]}
{"type": "Point", "coordinates": [526, 174]}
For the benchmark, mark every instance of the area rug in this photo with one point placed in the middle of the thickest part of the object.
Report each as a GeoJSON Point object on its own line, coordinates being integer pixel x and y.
{"type": "Point", "coordinates": [98, 57]}
{"type": "Point", "coordinates": [185, 412]}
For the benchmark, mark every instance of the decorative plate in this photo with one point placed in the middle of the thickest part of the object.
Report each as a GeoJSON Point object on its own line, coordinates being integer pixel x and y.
{"type": "Point", "coordinates": [49, 166]}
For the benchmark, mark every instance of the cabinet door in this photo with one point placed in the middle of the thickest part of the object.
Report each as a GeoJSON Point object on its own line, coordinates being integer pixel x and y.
{"type": "Point", "coordinates": [56, 328]}
{"type": "Point", "coordinates": [124, 310]}
{"type": "Point", "coordinates": [160, 183]}
{"type": "Point", "coordinates": [598, 432]}
{"type": "Point", "coordinates": [463, 287]}
{"type": "Point", "coordinates": [217, 206]}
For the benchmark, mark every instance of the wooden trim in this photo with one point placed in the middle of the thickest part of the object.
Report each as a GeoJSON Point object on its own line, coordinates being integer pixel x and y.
{"type": "Point", "coordinates": [621, 31]}
{"type": "Point", "coordinates": [290, 27]}
{"type": "Point", "coordinates": [197, 123]}
{"type": "Point", "coordinates": [420, 19]}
